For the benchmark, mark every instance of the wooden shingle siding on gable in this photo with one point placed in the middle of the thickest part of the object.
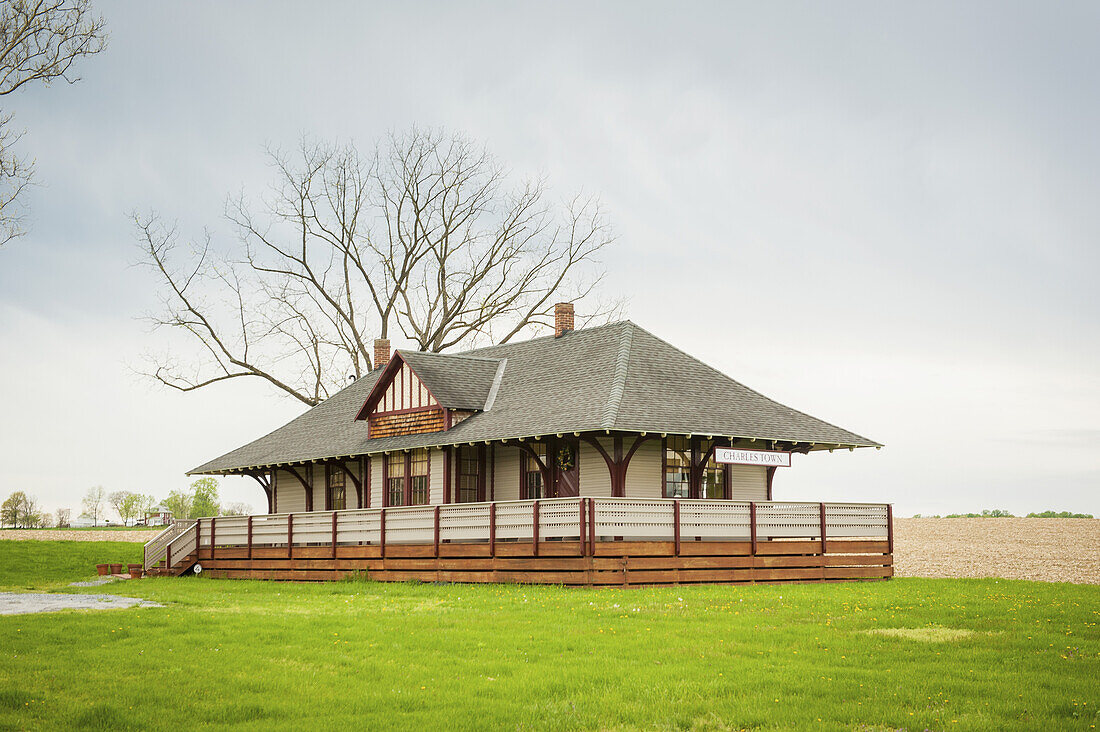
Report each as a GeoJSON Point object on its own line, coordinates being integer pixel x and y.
{"type": "Point", "coordinates": [416, 422]}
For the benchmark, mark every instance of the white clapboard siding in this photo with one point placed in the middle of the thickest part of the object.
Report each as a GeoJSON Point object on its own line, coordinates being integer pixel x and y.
{"type": "Point", "coordinates": [643, 475]}
{"type": "Point", "coordinates": [351, 500]}
{"type": "Point", "coordinates": [320, 486]}
{"type": "Point", "coordinates": [748, 482]}
{"type": "Point", "coordinates": [506, 479]}
{"type": "Point", "coordinates": [376, 486]}
{"type": "Point", "coordinates": [595, 477]}
{"type": "Point", "coordinates": [291, 497]}
{"type": "Point", "coordinates": [435, 475]}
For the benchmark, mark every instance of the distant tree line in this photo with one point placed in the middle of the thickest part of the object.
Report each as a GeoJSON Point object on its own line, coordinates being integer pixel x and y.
{"type": "Point", "coordinates": [1000, 513]}
{"type": "Point", "coordinates": [21, 511]}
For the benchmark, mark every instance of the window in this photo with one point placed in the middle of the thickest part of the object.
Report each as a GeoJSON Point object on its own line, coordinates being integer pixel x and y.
{"type": "Point", "coordinates": [395, 479]}
{"type": "Point", "coordinates": [469, 475]}
{"type": "Point", "coordinates": [530, 475]}
{"type": "Point", "coordinates": [337, 495]}
{"type": "Point", "coordinates": [418, 477]}
{"type": "Point", "coordinates": [714, 480]}
{"type": "Point", "coordinates": [677, 467]}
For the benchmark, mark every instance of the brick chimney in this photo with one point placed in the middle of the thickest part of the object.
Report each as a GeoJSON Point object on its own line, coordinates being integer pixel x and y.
{"type": "Point", "coordinates": [563, 319]}
{"type": "Point", "coordinates": [381, 352]}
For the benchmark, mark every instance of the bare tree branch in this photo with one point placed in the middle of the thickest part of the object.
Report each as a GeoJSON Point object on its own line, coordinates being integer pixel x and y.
{"type": "Point", "coordinates": [40, 40]}
{"type": "Point", "coordinates": [426, 236]}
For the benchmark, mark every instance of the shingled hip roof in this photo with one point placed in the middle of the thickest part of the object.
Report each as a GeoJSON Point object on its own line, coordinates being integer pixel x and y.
{"type": "Point", "coordinates": [612, 377]}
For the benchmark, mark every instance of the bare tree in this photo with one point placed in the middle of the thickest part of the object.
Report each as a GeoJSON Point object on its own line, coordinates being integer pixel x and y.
{"type": "Point", "coordinates": [236, 509]}
{"type": "Point", "coordinates": [63, 518]}
{"type": "Point", "coordinates": [92, 504]}
{"type": "Point", "coordinates": [426, 237]}
{"type": "Point", "coordinates": [40, 40]}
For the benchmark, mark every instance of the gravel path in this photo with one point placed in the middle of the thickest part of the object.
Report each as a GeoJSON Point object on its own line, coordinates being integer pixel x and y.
{"type": "Point", "coordinates": [21, 603]}
{"type": "Point", "coordinates": [67, 535]}
{"type": "Point", "coordinates": [1052, 550]}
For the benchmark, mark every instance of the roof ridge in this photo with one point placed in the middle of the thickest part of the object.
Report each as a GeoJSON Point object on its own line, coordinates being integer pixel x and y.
{"type": "Point", "coordinates": [618, 380]}
{"type": "Point", "coordinates": [549, 336]}
{"type": "Point", "coordinates": [460, 354]}
{"type": "Point", "coordinates": [495, 387]}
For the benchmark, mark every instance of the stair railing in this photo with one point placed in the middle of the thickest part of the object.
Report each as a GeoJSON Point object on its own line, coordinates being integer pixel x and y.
{"type": "Point", "coordinates": [156, 548]}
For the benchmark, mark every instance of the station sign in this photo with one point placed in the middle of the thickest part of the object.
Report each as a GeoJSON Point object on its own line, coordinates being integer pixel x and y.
{"type": "Point", "coordinates": [767, 458]}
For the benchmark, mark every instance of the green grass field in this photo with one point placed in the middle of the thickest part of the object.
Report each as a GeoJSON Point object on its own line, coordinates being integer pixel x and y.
{"type": "Point", "coordinates": [905, 654]}
{"type": "Point", "coordinates": [45, 564]}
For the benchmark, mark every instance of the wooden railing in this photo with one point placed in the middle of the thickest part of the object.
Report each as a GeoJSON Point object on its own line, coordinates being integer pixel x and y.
{"type": "Point", "coordinates": [584, 519]}
{"type": "Point", "coordinates": [180, 550]}
{"type": "Point", "coordinates": [155, 548]}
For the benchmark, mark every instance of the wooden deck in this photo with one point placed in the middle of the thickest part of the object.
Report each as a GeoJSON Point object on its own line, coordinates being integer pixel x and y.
{"type": "Point", "coordinates": [579, 541]}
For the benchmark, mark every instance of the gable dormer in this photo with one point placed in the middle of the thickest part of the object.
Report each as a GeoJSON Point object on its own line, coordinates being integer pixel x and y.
{"type": "Point", "coordinates": [429, 392]}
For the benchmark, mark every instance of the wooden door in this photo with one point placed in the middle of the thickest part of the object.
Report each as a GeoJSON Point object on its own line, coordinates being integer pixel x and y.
{"type": "Point", "coordinates": [566, 468]}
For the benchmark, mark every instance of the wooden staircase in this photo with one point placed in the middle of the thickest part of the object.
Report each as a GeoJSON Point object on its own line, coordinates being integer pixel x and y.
{"type": "Point", "coordinates": [173, 551]}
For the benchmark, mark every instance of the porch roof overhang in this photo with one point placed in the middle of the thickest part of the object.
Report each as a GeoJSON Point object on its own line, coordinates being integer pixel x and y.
{"type": "Point", "coordinates": [441, 440]}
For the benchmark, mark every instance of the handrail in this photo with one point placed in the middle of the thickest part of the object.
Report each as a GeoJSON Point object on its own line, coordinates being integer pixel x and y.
{"type": "Point", "coordinates": [155, 549]}
{"type": "Point", "coordinates": [181, 546]}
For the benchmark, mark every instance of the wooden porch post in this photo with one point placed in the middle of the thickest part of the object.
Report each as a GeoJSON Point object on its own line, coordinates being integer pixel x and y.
{"type": "Point", "coordinates": [752, 526]}
{"type": "Point", "coordinates": [676, 524]}
{"type": "Point", "coordinates": [334, 534]}
{"type": "Point", "coordinates": [580, 525]}
{"type": "Point", "coordinates": [447, 474]}
{"type": "Point", "coordinates": [382, 532]}
{"type": "Point", "coordinates": [822, 529]}
{"type": "Point", "coordinates": [890, 528]}
{"type": "Point", "coordinates": [436, 540]}
{"type": "Point", "coordinates": [591, 527]}
{"type": "Point", "coordinates": [535, 528]}
{"type": "Point", "coordinates": [249, 538]}
{"type": "Point", "coordinates": [492, 529]}
{"type": "Point", "coordinates": [290, 536]}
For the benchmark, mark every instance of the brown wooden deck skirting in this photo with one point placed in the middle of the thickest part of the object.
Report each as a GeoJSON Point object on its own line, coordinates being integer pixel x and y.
{"type": "Point", "coordinates": [560, 562]}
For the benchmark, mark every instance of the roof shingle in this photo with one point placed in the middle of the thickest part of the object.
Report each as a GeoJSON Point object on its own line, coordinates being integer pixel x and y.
{"type": "Point", "coordinates": [612, 377]}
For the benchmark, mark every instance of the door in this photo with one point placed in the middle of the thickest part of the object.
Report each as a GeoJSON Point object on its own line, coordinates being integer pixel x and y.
{"type": "Point", "coordinates": [566, 467]}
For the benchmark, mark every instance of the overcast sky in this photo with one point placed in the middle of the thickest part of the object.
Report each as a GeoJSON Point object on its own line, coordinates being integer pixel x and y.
{"type": "Point", "coordinates": [885, 215]}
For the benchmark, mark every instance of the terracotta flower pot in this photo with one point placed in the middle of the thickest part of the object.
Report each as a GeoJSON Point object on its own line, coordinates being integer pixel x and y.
{"type": "Point", "coordinates": [116, 569]}
{"type": "Point", "coordinates": [135, 573]}
{"type": "Point", "coordinates": [132, 567]}
{"type": "Point", "coordinates": [102, 569]}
